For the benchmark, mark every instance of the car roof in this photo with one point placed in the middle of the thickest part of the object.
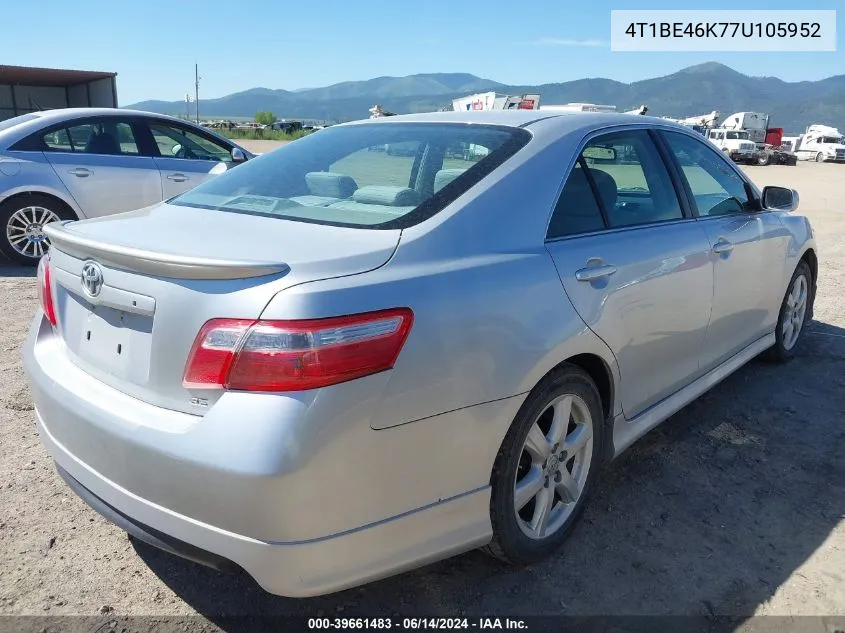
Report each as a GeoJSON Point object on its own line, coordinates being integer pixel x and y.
{"type": "Point", "coordinates": [45, 118]}
{"type": "Point", "coordinates": [555, 122]}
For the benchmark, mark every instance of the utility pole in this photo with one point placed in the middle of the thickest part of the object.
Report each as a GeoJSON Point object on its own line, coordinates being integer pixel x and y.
{"type": "Point", "coordinates": [197, 89]}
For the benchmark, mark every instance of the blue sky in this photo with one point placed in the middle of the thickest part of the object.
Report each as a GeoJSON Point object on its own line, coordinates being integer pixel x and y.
{"type": "Point", "coordinates": [153, 44]}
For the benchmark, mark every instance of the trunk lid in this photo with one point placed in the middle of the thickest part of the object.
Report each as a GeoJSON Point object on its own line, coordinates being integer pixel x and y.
{"type": "Point", "coordinates": [166, 270]}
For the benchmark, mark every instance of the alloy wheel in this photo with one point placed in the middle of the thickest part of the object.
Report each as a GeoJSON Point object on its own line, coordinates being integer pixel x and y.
{"type": "Point", "coordinates": [796, 309]}
{"type": "Point", "coordinates": [25, 230]}
{"type": "Point", "coordinates": [553, 466]}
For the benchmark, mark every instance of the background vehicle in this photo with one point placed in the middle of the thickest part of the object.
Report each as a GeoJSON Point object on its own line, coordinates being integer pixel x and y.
{"type": "Point", "coordinates": [286, 126]}
{"type": "Point", "coordinates": [81, 163]}
{"type": "Point", "coordinates": [435, 390]}
{"type": "Point", "coordinates": [496, 101]}
{"type": "Point", "coordinates": [768, 141]}
{"type": "Point", "coordinates": [820, 143]}
{"type": "Point", "coordinates": [734, 143]}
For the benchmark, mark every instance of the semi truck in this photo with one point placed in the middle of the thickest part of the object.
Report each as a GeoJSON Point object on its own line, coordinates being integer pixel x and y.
{"type": "Point", "coordinates": [748, 138]}
{"type": "Point", "coordinates": [820, 143]}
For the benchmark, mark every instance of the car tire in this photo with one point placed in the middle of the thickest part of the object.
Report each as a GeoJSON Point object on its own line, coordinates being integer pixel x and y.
{"type": "Point", "coordinates": [523, 487]}
{"type": "Point", "coordinates": [763, 159]}
{"type": "Point", "coordinates": [795, 310]}
{"type": "Point", "coordinates": [819, 157]}
{"type": "Point", "coordinates": [23, 217]}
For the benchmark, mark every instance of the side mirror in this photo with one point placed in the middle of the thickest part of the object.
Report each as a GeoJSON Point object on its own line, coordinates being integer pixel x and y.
{"type": "Point", "coordinates": [780, 199]}
{"type": "Point", "coordinates": [238, 155]}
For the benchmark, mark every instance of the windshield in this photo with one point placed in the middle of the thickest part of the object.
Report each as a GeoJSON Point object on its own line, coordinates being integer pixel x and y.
{"type": "Point", "coordinates": [738, 135]}
{"type": "Point", "coordinates": [23, 118]}
{"type": "Point", "coordinates": [373, 175]}
{"type": "Point", "coordinates": [831, 139]}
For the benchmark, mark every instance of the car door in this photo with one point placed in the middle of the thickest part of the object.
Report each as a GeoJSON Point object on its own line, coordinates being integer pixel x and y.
{"type": "Point", "coordinates": [184, 156]}
{"type": "Point", "coordinates": [100, 162]}
{"type": "Point", "coordinates": [634, 264]}
{"type": "Point", "coordinates": [748, 248]}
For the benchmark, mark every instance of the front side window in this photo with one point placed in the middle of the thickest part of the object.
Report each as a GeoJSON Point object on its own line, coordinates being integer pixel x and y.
{"type": "Point", "coordinates": [174, 141]}
{"type": "Point", "coordinates": [379, 175]}
{"type": "Point", "coordinates": [716, 188]}
{"type": "Point", "coordinates": [109, 137]}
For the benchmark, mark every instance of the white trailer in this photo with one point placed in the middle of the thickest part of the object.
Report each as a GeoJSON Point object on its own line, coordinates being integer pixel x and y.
{"type": "Point", "coordinates": [579, 107]}
{"type": "Point", "coordinates": [821, 143]}
{"type": "Point", "coordinates": [496, 101]}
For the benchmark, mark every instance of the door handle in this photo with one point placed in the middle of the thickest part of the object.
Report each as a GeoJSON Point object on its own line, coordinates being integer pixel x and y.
{"type": "Point", "coordinates": [177, 177]}
{"type": "Point", "coordinates": [592, 273]}
{"type": "Point", "coordinates": [722, 246]}
{"type": "Point", "coordinates": [81, 172]}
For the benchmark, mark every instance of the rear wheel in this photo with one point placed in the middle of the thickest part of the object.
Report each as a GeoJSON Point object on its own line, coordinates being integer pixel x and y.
{"type": "Point", "coordinates": [795, 311]}
{"type": "Point", "coordinates": [23, 218]}
{"type": "Point", "coordinates": [546, 467]}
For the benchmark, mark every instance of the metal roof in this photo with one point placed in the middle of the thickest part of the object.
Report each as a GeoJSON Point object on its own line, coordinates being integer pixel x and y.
{"type": "Point", "coordinates": [28, 76]}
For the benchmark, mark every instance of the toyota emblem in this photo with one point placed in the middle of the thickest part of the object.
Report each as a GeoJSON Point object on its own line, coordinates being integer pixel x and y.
{"type": "Point", "coordinates": [92, 278]}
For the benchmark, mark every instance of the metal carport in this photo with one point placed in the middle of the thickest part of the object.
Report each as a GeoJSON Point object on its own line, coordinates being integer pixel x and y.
{"type": "Point", "coordinates": [24, 89]}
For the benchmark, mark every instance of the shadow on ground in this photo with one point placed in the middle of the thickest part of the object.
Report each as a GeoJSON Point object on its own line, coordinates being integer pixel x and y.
{"type": "Point", "coordinates": [8, 269]}
{"type": "Point", "coordinates": [707, 515]}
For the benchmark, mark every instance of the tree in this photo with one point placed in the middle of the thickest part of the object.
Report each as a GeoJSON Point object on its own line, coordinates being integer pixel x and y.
{"type": "Point", "coordinates": [265, 118]}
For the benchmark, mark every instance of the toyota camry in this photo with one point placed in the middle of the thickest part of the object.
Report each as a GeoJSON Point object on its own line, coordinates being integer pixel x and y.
{"type": "Point", "coordinates": [337, 362]}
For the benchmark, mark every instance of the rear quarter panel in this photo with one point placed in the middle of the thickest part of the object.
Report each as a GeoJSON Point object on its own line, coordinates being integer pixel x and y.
{"type": "Point", "coordinates": [30, 172]}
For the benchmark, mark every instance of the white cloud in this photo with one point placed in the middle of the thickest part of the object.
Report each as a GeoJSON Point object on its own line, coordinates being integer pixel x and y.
{"type": "Point", "coordinates": [559, 41]}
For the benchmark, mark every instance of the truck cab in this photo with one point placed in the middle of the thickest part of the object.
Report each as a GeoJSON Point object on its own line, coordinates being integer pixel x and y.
{"type": "Point", "coordinates": [821, 143]}
{"type": "Point", "coordinates": [735, 143]}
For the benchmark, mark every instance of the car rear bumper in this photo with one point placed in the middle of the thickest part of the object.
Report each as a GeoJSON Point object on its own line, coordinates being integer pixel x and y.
{"type": "Point", "coordinates": [307, 502]}
{"type": "Point", "coordinates": [289, 569]}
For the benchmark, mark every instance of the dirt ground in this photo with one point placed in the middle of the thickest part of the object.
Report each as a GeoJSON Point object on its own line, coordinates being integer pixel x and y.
{"type": "Point", "coordinates": [735, 506]}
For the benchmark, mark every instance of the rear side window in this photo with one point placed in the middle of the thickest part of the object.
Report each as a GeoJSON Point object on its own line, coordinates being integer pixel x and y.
{"type": "Point", "coordinates": [620, 180]}
{"type": "Point", "coordinates": [368, 175]}
{"type": "Point", "coordinates": [577, 209]}
{"type": "Point", "coordinates": [107, 137]}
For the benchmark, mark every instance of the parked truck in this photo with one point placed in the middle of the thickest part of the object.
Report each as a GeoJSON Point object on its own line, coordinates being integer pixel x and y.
{"type": "Point", "coordinates": [741, 128]}
{"type": "Point", "coordinates": [496, 101]}
{"type": "Point", "coordinates": [591, 107]}
{"type": "Point", "coordinates": [820, 143]}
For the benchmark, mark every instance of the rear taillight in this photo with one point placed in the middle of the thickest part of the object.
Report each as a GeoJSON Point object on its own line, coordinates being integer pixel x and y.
{"type": "Point", "coordinates": [45, 290]}
{"type": "Point", "coordinates": [247, 355]}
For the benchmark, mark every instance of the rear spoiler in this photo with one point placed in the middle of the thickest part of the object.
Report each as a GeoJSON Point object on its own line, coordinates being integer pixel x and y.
{"type": "Point", "coordinates": [155, 263]}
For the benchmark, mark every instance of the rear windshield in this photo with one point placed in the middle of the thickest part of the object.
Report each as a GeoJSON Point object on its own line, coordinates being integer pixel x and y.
{"type": "Point", "coordinates": [371, 175]}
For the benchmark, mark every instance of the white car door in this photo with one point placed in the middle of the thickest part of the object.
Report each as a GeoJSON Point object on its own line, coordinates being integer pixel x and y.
{"type": "Point", "coordinates": [100, 163]}
{"type": "Point", "coordinates": [185, 156]}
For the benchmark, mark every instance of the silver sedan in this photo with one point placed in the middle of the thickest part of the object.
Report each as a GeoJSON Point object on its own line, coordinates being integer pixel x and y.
{"type": "Point", "coordinates": [337, 362]}
{"type": "Point", "coordinates": [79, 163]}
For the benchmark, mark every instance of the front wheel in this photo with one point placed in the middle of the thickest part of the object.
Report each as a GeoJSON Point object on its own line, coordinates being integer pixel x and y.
{"type": "Point", "coordinates": [546, 467]}
{"type": "Point", "coordinates": [23, 218]}
{"type": "Point", "coordinates": [795, 311]}
{"type": "Point", "coordinates": [819, 157]}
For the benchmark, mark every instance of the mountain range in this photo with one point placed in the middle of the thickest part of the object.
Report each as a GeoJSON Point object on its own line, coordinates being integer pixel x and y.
{"type": "Point", "coordinates": [689, 92]}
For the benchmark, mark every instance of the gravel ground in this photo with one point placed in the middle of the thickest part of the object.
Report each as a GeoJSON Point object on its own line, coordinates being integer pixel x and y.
{"type": "Point", "coordinates": [733, 507]}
